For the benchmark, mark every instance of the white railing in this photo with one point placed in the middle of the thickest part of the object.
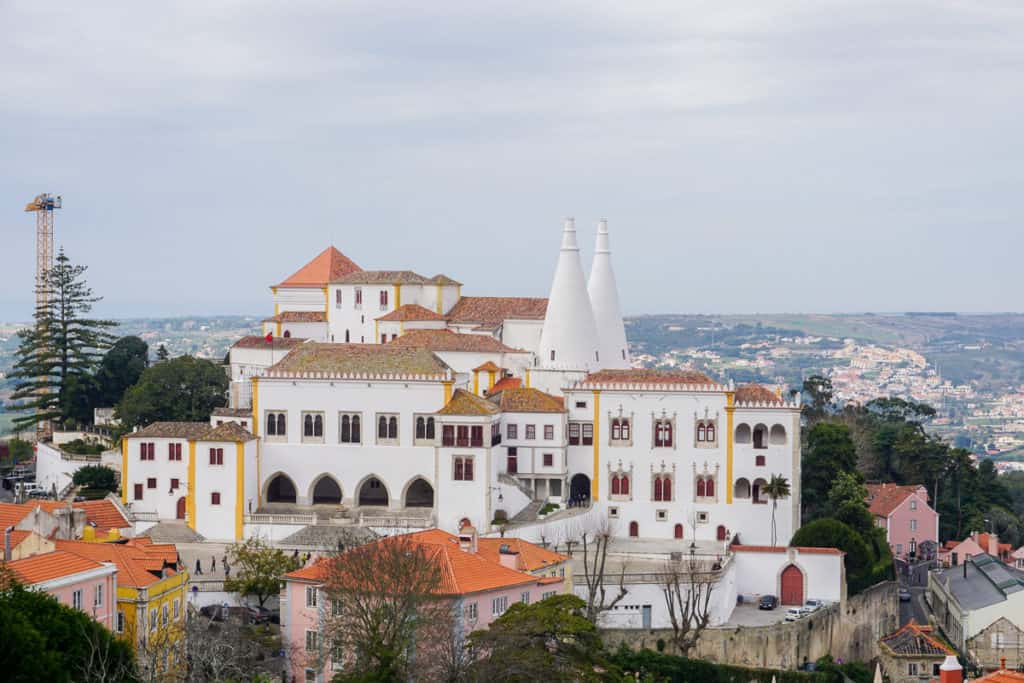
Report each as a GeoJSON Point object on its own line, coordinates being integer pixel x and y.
{"type": "Point", "coordinates": [264, 518]}
{"type": "Point", "coordinates": [397, 522]}
{"type": "Point", "coordinates": [141, 516]}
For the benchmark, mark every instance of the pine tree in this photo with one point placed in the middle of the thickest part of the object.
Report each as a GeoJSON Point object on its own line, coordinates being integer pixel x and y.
{"type": "Point", "coordinates": [162, 354]}
{"type": "Point", "coordinates": [61, 351]}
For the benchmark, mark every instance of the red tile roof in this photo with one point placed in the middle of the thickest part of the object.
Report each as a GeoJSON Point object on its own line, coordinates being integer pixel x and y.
{"type": "Point", "coordinates": [493, 310]}
{"type": "Point", "coordinates": [102, 513]}
{"type": "Point", "coordinates": [328, 266]}
{"type": "Point", "coordinates": [258, 342]}
{"type": "Point", "coordinates": [384, 277]}
{"type": "Point", "coordinates": [644, 376]}
{"type": "Point", "coordinates": [489, 366]}
{"type": "Point", "coordinates": [526, 400]}
{"type": "Point", "coordinates": [506, 383]}
{"type": "Point", "coordinates": [297, 317]}
{"type": "Point", "coordinates": [446, 340]}
{"type": "Point", "coordinates": [1001, 677]}
{"type": "Point", "coordinates": [915, 640]}
{"type": "Point", "coordinates": [138, 563]}
{"type": "Point", "coordinates": [983, 539]}
{"type": "Point", "coordinates": [884, 498]}
{"type": "Point", "coordinates": [757, 393]}
{"type": "Point", "coordinates": [49, 566]}
{"type": "Point", "coordinates": [411, 313]}
{"type": "Point", "coordinates": [466, 403]}
{"type": "Point", "coordinates": [377, 359]}
{"type": "Point", "coordinates": [530, 557]}
{"type": "Point", "coordinates": [782, 549]}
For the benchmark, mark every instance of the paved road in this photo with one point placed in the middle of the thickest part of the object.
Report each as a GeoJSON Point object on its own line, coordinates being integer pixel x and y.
{"type": "Point", "coordinates": [916, 581]}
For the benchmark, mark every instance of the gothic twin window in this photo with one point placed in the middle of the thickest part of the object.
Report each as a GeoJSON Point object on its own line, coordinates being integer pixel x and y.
{"type": "Point", "coordinates": [621, 430]}
{"type": "Point", "coordinates": [387, 429]}
{"type": "Point", "coordinates": [620, 485]}
{"type": "Point", "coordinates": [277, 425]}
{"type": "Point", "coordinates": [425, 429]}
{"type": "Point", "coordinates": [705, 486]}
{"type": "Point", "coordinates": [350, 428]}
{"type": "Point", "coordinates": [663, 433]}
{"type": "Point", "coordinates": [663, 487]}
{"type": "Point", "coordinates": [313, 427]}
{"type": "Point", "coordinates": [706, 433]}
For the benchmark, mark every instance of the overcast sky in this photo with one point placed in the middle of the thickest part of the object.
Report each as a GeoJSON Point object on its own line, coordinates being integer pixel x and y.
{"type": "Point", "coordinates": [750, 157]}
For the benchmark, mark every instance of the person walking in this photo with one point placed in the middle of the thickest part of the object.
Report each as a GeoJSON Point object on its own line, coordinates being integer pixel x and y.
{"type": "Point", "coordinates": [213, 564]}
{"type": "Point", "coordinates": [199, 567]}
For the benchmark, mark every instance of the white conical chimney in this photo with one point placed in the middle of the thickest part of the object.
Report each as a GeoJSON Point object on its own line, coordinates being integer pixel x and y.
{"type": "Point", "coordinates": [569, 339]}
{"type": "Point", "coordinates": [604, 298]}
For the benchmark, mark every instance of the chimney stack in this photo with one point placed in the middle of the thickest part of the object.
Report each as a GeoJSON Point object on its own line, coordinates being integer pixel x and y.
{"type": "Point", "coordinates": [993, 545]}
{"type": "Point", "coordinates": [7, 543]}
{"type": "Point", "coordinates": [951, 671]}
{"type": "Point", "coordinates": [467, 539]}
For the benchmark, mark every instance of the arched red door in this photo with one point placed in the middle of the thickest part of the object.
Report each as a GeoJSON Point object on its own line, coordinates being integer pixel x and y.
{"type": "Point", "coordinates": [792, 589]}
{"type": "Point", "coordinates": [721, 532]}
{"type": "Point", "coordinates": [634, 529]}
{"type": "Point", "coordinates": [181, 508]}
{"type": "Point", "coordinates": [679, 530]}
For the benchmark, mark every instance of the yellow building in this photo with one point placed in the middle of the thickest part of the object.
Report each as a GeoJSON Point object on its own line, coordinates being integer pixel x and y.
{"type": "Point", "coordinates": [151, 596]}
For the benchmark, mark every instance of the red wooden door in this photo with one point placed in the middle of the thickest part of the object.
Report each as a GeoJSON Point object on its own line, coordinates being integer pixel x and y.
{"type": "Point", "coordinates": [181, 508]}
{"type": "Point", "coordinates": [679, 530]}
{"type": "Point", "coordinates": [721, 533]}
{"type": "Point", "coordinates": [792, 589]}
{"type": "Point", "coordinates": [634, 529]}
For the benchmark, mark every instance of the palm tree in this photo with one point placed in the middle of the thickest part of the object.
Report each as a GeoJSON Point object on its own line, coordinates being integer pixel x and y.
{"type": "Point", "coordinates": [775, 489]}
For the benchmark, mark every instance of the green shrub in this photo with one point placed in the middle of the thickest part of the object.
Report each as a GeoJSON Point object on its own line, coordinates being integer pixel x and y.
{"type": "Point", "coordinates": [652, 666]}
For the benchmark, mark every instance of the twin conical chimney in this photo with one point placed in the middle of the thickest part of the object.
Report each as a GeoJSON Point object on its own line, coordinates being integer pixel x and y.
{"type": "Point", "coordinates": [569, 338]}
{"type": "Point", "coordinates": [604, 299]}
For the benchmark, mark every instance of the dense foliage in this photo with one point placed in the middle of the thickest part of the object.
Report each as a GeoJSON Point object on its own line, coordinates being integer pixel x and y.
{"type": "Point", "coordinates": [180, 389]}
{"type": "Point", "coordinates": [884, 440]}
{"type": "Point", "coordinates": [46, 641]}
{"type": "Point", "coordinates": [96, 480]}
{"type": "Point", "coordinates": [654, 667]}
{"type": "Point", "coordinates": [56, 357]}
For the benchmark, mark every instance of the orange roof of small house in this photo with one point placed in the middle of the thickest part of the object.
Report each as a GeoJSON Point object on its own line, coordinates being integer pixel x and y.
{"type": "Point", "coordinates": [138, 563]}
{"type": "Point", "coordinates": [884, 498]}
{"type": "Point", "coordinates": [915, 640]}
{"type": "Point", "coordinates": [757, 393]}
{"type": "Point", "coordinates": [328, 266]}
{"type": "Point", "coordinates": [646, 376]}
{"type": "Point", "coordinates": [446, 340]}
{"type": "Point", "coordinates": [493, 310]}
{"type": "Point", "coordinates": [462, 572]}
{"type": "Point", "coordinates": [531, 557]}
{"type": "Point", "coordinates": [410, 313]}
{"type": "Point", "coordinates": [48, 566]}
{"type": "Point", "coordinates": [466, 403]}
{"type": "Point", "coordinates": [983, 539]}
{"type": "Point", "coordinates": [489, 366]}
{"type": "Point", "coordinates": [1002, 676]}
{"type": "Point", "coordinates": [11, 514]}
{"type": "Point", "coordinates": [526, 400]}
{"type": "Point", "coordinates": [102, 514]}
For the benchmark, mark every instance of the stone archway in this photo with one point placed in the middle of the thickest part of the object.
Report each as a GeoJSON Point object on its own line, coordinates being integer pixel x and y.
{"type": "Point", "coordinates": [579, 487]}
{"type": "Point", "coordinates": [373, 492]}
{"type": "Point", "coordinates": [419, 494]}
{"type": "Point", "coordinates": [280, 489]}
{"type": "Point", "coordinates": [326, 491]}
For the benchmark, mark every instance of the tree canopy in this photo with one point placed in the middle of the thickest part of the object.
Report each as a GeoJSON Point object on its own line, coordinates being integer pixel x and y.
{"type": "Point", "coordinates": [831, 533]}
{"type": "Point", "coordinates": [180, 389]}
{"type": "Point", "coordinates": [257, 568]}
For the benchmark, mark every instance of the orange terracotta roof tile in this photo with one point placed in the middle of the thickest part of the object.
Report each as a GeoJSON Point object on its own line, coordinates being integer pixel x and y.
{"type": "Point", "coordinates": [1001, 677]}
{"type": "Point", "coordinates": [983, 539]}
{"type": "Point", "coordinates": [381, 277]}
{"type": "Point", "coordinates": [489, 366]}
{"type": "Point", "coordinates": [782, 549]}
{"type": "Point", "coordinates": [915, 640]}
{"type": "Point", "coordinates": [645, 376]}
{"type": "Point", "coordinates": [50, 566]}
{"type": "Point", "coordinates": [506, 383]}
{"type": "Point", "coordinates": [229, 431]}
{"type": "Point", "coordinates": [375, 359]}
{"type": "Point", "coordinates": [171, 430]}
{"type": "Point", "coordinates": [446, 340]}
{"type": "Point", "coordinates": [101, 513]}
{"type": "Point", "coordinates": [232, 412]}
{"type": "Point", "coordinates": [757, 393]}
{"type": "Point", "coordinates": [884, 498]}
{"type": "Point", "coordinates": [526, 400]}
{"type": "Point", "coordinates": [328, 266]}
{"type": "Point", "coordinates": [442, 279]}
{"type": "Point", "coordinates": [493, 310]}
{"type": "Point", "coordinates": [410, 313]}
{"type": "Point", "coordinates": [18, 537]}
{"type": "Point", "coordinates": [466, 403]}
{"type": "Point", "coordinates": [276, 344]}
{"type": "Point", "coordinates": [138, 564]}
{"type": "Point", "coordinates": [530, 558]}
{"type": "Point", "coordinates": [12, 514]}
{"type": "Point", "coordinates": [297, 317]}
{"type": "Point", "coordinates": [315, 572]}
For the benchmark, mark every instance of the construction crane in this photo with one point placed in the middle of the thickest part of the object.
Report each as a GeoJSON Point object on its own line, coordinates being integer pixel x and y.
{"type": "Point", "coordinates": [43, 206]}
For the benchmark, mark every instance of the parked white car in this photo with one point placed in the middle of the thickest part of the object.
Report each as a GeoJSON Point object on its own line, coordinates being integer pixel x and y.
{"type": "Point", "coordinates": [814, 604]}
{"type": "Point", "coordinates": [794, 613]}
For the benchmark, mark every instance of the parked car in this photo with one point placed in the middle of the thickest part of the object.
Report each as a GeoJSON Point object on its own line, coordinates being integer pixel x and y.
{"type": "Point", "coordinates": [904, 595]}
{"type": "Point", "coordinates": [794, 613]}
{"type": "Point", "coordinates": [806, 610]}
{"type": "Point", "coordinates": [39, 493]}
{"type": "Point", "coordinates": [814, 603]}
{"type": "Point", "coordinates": [262, 615]}
{"type": "Point", "coordinates": [768, 602]}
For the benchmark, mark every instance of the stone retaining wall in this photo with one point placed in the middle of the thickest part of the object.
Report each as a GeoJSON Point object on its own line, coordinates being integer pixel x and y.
{"type": "Point", "coordinates": [848, 631]}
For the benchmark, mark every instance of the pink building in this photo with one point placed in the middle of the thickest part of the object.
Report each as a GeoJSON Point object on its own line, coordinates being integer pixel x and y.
{"type": "Point", "coordinates": [76, 581]}
{"type": "Point", "coordinates": [906, 516]}
{"type": "Point", "coordinates": [481, 581]}
{"type": "Point", "coordinates": [954, 553]}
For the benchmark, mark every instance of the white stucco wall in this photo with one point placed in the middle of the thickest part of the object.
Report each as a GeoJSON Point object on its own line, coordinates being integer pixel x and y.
{"type": "Point", "coordinates": [758, 573]}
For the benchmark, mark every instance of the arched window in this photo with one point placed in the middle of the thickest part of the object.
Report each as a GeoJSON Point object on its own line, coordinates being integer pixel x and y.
{"type": "Point", "coordinates": [615, 485]}
{"type": "Point", "coordinates": [318, 425]}
{"type": "Point", "coordinates": [346, 429]}
{"type": "Point", "coordinates": [271, 424]}
{"type": "Point", "coordinates": [666, 489]}
{"type": "Point", "coordinates": [678, 531]}
{"type": "Point", "coordinates": [634, 529]}
{"type": "Point", "coordinates": [421, 428]}
{"type": "Point", "coordinates": [625, 484]}
{"type": "Point", "coordinates": [701, 487]}
{"type": "Point", "coordinates": [616, 430]}
{"type": "Point", "coordinates": [355, 429]}
{"type": "Point", "coordinates": [307, 425]}
{"type": "Point", "coordinates": [743, 433]}
{"type": "Point", "coordinates": [393, 428]}
{"type": "Point", "coordinates": [281, 425]}
{"type": "Point", "coordinates": [701, 432]}
{"type": "Point", "coordinates": [760, 436]}
{"type": "Point", "coordinates": [430, 428]}
{"type": "Point", "coordinates": [710, 488]}
{"type": "Point", "coordinates": [287, 333]}
{"type": "Point", "coordinates": [663, 434]}
{"type": "Point", "coordinates": [657, 488]}
{"type": "Point", "coordinates": [777, 436]}
{"type": "Point", "coordinates": [741, 489]}
{"type": "Point", "coordinates": [382, 428]}
{"type": "Point", "coordinates": [625, 430]}
{"type": "Point", "coordinates": [711, 432]}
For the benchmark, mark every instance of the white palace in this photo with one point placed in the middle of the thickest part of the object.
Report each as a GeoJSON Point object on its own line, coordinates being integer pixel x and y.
{"type": "Point", "coordinates": [388, 394]}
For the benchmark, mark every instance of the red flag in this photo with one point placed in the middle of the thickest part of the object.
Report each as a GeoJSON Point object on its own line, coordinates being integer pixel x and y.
{"type": "Point", "coordinates": [269, 338]}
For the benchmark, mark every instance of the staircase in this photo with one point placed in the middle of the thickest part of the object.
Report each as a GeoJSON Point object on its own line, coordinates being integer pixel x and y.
{"type": "Point", "coordinates": [528, 513]}
{"type": "Point", "coordinates": [510, 480]}
{"type": "Point", "coordinates": [172, 532]}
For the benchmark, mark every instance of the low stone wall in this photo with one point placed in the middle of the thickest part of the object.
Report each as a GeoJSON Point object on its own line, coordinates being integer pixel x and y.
{"type": "Point", "coordinates": [849, 631]}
